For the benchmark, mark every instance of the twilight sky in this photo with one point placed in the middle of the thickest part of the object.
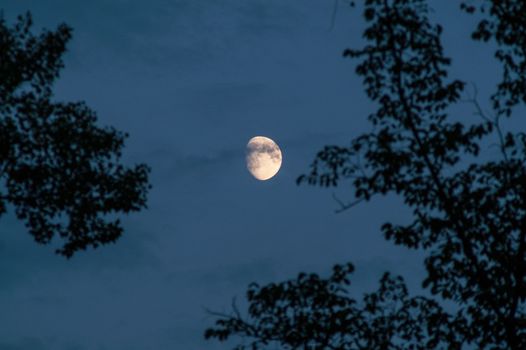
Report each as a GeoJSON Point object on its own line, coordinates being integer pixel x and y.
{"type": "Point", "coordinates": [192, 82]}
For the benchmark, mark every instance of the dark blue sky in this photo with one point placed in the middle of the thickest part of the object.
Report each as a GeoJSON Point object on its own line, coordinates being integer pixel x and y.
{"type": "Point", "coordinates": [192, 81]}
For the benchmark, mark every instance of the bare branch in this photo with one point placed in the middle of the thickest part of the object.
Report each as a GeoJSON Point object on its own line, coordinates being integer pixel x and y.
{"type": "Point", "coordinates": [344, 206]}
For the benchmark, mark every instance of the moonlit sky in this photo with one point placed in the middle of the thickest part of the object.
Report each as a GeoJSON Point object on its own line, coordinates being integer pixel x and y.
{"type": "Point", "coordinates": [192, 82]}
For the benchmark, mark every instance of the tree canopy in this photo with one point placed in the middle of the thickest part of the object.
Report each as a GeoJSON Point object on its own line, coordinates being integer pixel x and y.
{"type": "Point", "coordinates": [60, 171]}
{"type": "Point", "coordinates": [469, 213]}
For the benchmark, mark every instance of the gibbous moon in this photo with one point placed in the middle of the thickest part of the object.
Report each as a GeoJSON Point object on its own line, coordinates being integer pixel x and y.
{"type": "Point", "coordinates": [263, 157]}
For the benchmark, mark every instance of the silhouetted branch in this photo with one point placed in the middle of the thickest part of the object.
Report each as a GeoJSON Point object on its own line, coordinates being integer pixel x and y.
{"type": "Point", "coordinates": [495, 121]}
{"type": "Point", "coordinates": [60, 170]}
{"type": "Point", "coordinates": [345, 206]}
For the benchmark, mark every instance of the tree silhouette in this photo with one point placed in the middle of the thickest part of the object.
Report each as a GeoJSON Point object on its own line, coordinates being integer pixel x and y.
{"type": "Point", "coordinates": [469, 215]}
{"type": "Point", "coordinates": [59, 170]}
{"type": "Point", "coordinates": [314, 313]}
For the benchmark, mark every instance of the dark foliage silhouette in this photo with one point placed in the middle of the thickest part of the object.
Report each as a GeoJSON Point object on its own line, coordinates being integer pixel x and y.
{"type": "Point", "coordinates": [469, 215]}
{"type": "Point", "coordinates": [59, 170]}
{"type": "Point", "coordinates": [315, 313]}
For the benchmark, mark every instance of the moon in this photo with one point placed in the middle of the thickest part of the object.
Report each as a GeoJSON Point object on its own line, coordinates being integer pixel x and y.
{"type": "Point", "coordinates": [263, 157]}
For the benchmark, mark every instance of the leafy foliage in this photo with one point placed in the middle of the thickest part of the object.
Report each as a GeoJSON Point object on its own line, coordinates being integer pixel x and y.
{"type": "Point", "coordinates": [468, 215]}
{"type": "Point", "coordinates": [314, 313]}
{"type": "Point", "coordinates": [59, 170]}
{"type": "Point", "coordinates": [504, 21]}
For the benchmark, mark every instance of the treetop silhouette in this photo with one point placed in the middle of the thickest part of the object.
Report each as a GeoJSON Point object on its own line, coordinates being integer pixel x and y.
{"type": "Point", "coordinates": [59, 170]}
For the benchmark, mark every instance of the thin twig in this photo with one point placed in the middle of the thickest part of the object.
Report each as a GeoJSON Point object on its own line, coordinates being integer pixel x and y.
{"type": "Point", "coordinates": [495, 121]}
{"type": "Point", "coordinates": [333, 17]}
{"type": "Point", "coordinates": [344, 206]}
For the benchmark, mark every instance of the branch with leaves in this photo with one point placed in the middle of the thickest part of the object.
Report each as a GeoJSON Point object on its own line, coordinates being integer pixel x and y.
{"type": "Point", "coordinates": [311, 312]}
{"type": "Point", "coordinates": [60, 171]}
